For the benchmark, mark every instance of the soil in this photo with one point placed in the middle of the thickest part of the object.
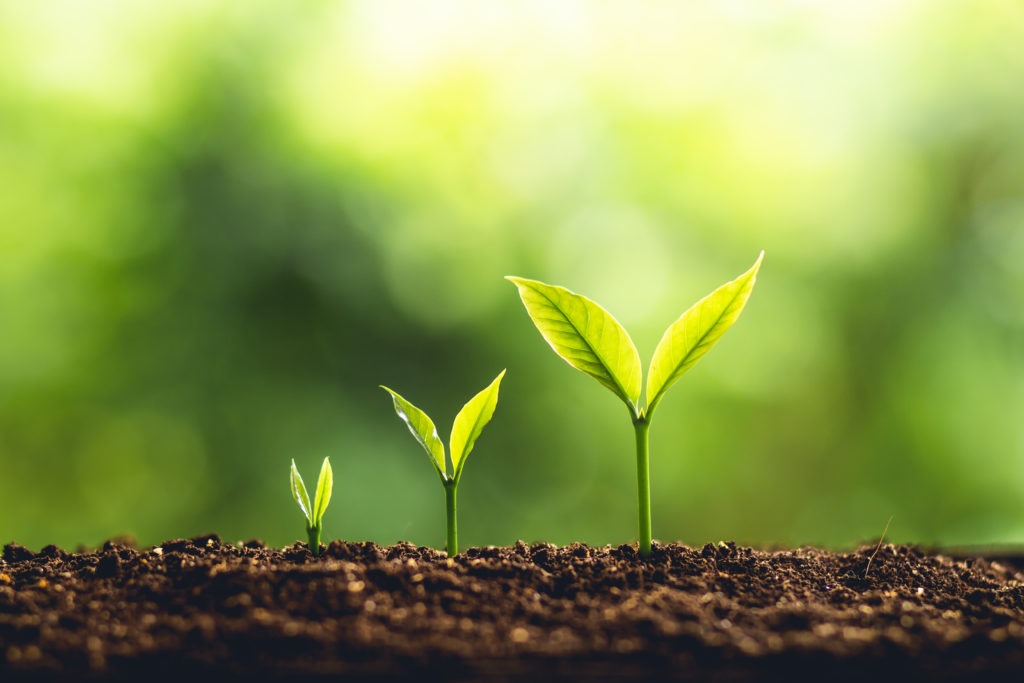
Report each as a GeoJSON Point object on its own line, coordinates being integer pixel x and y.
{"type": "Point", "coordinates": [203, 608]}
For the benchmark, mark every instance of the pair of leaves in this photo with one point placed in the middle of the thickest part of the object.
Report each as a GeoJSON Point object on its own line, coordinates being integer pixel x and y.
{"type": "Point", "coordinates": [587, 337]}
{"type": "Point", "coordinates": [324, 487]}
{"type": "Point", "coordinates": [468, 425]}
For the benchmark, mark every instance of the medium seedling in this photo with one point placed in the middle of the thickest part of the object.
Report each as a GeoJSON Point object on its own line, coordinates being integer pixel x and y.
{"type": "Point", "coordinates": [314, 513]}
{"type": "Point", "coordinates": [470, 421]}
{"type": "Point", "coordinates": [587, 337]}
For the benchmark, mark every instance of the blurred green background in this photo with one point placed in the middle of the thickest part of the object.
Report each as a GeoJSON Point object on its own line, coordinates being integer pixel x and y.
{"type": "Point", "coordinates": [224, 224]}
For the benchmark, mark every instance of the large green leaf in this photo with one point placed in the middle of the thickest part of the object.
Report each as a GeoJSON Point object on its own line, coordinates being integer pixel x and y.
{"type": "Point", "coordinates": [470, 421]}
{"type": "Point", "coordinates": [324, 488]}
{"type": "Point", "coordinates": [696, 331]}
{"type": "Point", "coordinates": [423, 430]}
{"type": "Point", "coordinates": [585, 335]}
{"type": "Point", "coordinates": [299, 493]}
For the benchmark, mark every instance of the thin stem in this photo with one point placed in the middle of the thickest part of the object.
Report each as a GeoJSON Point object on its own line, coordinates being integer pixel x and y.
{"type": "Point", "coordinates": [643, 484]}
{"type": "Point", "coordinates": [314, 540]}
{"type": "Point", "coordinates": [453, 531]}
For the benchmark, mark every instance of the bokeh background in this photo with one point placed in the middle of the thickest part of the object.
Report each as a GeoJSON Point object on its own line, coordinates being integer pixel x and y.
{"type": "Point", "coordinates": [224, 224]}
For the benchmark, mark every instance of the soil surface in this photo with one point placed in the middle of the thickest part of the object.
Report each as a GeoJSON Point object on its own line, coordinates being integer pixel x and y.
{"type": "Point", "coordinates": [719, 613]}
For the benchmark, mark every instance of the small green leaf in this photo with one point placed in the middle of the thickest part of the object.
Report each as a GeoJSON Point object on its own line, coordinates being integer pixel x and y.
{"type": "Point", "coordinates": [585, 336]}
{"type": "Point", "coordinates": [423, 430]}
{"type": "Point", "coordinates": [324, 488]}
{"type": "Point", "coordinates": [470, 421]}
{"type": "Point", "coordinates": [299, 493]}
{"type": "Point", "coordinates": [696, 331]}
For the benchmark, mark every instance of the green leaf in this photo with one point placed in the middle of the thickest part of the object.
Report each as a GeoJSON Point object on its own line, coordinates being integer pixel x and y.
{"type": "Point", "coordinates": [324, 488]}
{"type": "Point", "coordinates": [696, 331]}
{"type": "Point", "coordinates": [470, 421]}
{"type": "Point", "coordinates": [299, 493]}
{"type": "Point", "coordinates": [585, 336]}
{"type": "Point", "coordinates": [423, 430]}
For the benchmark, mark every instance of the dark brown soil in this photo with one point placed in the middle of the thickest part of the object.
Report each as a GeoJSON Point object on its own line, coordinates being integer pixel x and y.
{"type": "Point", "coordinates": [721, 613]}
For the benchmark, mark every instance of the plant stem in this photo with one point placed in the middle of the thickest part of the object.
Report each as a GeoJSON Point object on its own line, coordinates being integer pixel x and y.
{"type": "Point", "coordinates": [453, 531]}
{"type": "Point", "coordinates": [643, 484]}
{"type": "Point", "coordinates": [314, 540]}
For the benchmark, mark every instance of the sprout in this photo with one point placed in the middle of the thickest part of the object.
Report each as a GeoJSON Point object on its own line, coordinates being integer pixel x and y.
{"type": "Point", "coordinates": [588, 338]}
{"type": "Point", "coordinates": [469, 423]}
{"type": "Point", "coordinates": [314, 513]}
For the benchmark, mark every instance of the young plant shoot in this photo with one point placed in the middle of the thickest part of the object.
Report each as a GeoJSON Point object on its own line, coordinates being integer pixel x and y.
{"type": "Point", "coordinates": [314, 513]}
{"type": "Point", "coordinates": [588, 338]}
{"type": "Point", "coordinates": [470, 421]}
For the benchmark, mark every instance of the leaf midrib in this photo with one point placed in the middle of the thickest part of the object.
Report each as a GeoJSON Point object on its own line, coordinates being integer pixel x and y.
{"type": "Point", "coordinates": [457, 468]}
{"type": "Point", "coordinates": [696, 346]}
{"type": "Point", "coordinates": [622, 391]}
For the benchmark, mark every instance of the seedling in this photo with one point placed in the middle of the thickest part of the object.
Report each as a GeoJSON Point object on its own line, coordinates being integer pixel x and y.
{"type": "Point", "coordinates": [470, 421]}
{"type": "Point", "coordinates": [881, 540]}
{"type": "Point", "coordinates": [588, 338]}
{"type": "Point", "coordinates": [314, 513]}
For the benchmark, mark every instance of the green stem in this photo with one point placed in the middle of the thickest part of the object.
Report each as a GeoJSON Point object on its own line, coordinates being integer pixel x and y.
{"type": "Point", "coordinates": [314, 540]}
{"type": "Point", "coordinates": [643, 484]}
{"type": "Point", "coordinates": [453, 531]}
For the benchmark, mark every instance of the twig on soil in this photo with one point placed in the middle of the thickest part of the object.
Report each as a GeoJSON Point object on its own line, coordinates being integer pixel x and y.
{"type": "Point", "coordinates": [878, 547]}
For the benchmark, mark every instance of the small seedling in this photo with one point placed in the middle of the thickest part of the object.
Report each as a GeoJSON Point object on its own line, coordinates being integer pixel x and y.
{"type": "Point", "coordinates": [587, 337]}
{"type": "Point", "coordinates": [881, 540]}
{"type": "Point", "coordinates": [314, 513]}
{"type": "Point", "coordinates": [470, 421]}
